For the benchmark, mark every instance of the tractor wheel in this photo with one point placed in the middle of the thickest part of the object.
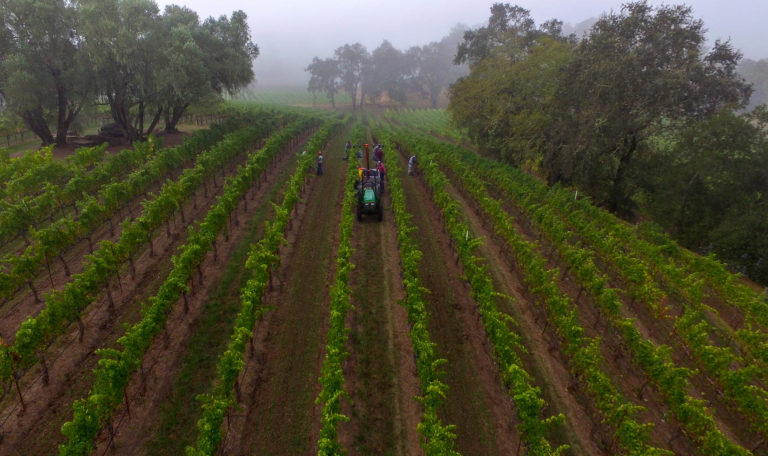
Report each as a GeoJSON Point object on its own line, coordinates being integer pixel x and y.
{"type": "Point", "coordinates": [381, 212]}
{"type": "Point", "coordinates": [359, 214]}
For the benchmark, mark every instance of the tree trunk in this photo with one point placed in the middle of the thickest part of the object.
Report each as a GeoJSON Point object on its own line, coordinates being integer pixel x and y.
{"type": "Point", "coordinates": [34, 291]}
{"type": "Point", "coordinates": [155, 120]}
{"type": "Point", "coordinates": [174, 118]}
{"type": "Point", "coordinates": [684, 204]}
{"type": "Point", "coordinates": [66, 111]}
{"type": "Point", "coordinates": [141, 119]}
{"type": "Point", "coordinates": [618, 196]}
{"type": "Point", "coordinates": [434, 93]}
{"type": "Point", "coordinates": [121, 114]}
{"type": "Point", "coordinates": [36, 122]}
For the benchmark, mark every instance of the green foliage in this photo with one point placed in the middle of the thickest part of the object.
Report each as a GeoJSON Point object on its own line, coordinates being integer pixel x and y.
{"type": "Point", "coordinates": [507, 24]}
{"type": "Point", "coordinates": [324, 78]}
{"type": "Point", "coordinates": [583, 352]}
{"type": "Point", "coordinates": [437, 438]}
{"type": "Point", "coordinates": [116, 366]}
{"type": "Point", "coordinates": [67, 305]}
{"type": "Point", "coordinates": [707, 185]}
{"type": "Point", "coordinates": [639, 70]}
{"type": "Point", "coordinates": [504, 101]}
{"type": "Point", "coordinates": [635, 115]}
{"type": "Point", "coordinates": [385, 72]}
{"type": "Point", "coordinates": [351, 58]}
{"type": "Point", "coordinates": [435, 70]}
{"type": "Point", "coordinates": [506, 343]}
{"type": "Point", "coordinates": [149, 65]}
{"type": "Point", "coordinates": [332, 373]}
{"type": "Point", "coordinates": [43, 71]}
{"type": "Point", "coordinates": [262, 260]}
{"type": "Point", "coordinates": [568, 224]}
{"type": "Point", "coordinates": [424, 70]}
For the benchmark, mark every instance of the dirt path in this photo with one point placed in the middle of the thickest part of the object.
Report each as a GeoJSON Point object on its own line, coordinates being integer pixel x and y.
{"type": "Point", "coordinates": [71, 361]}
{"type": "Point", "coordinates": [477, 403]}
{"type": "Point", "coordinates": [380, 371]}
{"type": "Point", "coordinates": [280, 384]}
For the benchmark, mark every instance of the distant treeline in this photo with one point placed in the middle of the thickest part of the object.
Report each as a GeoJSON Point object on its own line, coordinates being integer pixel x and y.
{"type": "Point", "coordinates": [756, 73]}
{"type": "Point", "coordinates": [426, 70]}
{"type": "Point", "coordinates": [59, 58]}
{"type": "Point", "coordinates": [637, 114]}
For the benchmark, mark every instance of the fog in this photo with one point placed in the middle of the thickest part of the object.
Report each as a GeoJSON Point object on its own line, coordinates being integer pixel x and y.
{"type": "Point", "coordinates": [290, 33]}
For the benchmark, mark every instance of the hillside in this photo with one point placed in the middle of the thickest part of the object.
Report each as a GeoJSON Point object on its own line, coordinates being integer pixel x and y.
{"type": "Point", "coordinates": [486, 313]}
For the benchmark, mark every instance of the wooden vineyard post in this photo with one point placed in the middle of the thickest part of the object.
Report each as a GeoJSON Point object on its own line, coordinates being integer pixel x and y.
{"type": "Point", "coordinates": [109, 294]}
{"type": "Point", "coordinates": [18, 390]}
{"type": "Point", "coordinates": [34, 291]}
{"type": "Point", "coordinates": [133, 267]}
{"type": "Point", "coordinates": [44, 365]}
{"type": "Point", "coordinates": [127, 404]}
{"type": "Point", "coordinates": [81, 329]}
{"type": "Point", "coordinates": [66, 266]}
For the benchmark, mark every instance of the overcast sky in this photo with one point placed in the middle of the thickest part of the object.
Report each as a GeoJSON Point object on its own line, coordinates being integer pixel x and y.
{"type": "Point", "coordinates": [290, 32]}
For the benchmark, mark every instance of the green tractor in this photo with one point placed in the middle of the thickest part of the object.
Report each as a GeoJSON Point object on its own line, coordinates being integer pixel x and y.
{"type": "Point", "coordinates": [369, 192]}
{"type": "Point", "coordinates": [369, 198]}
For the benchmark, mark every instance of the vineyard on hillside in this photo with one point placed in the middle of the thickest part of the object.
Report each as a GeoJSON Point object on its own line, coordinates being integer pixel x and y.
{"type": "Point", "coordinates": [221, 297]}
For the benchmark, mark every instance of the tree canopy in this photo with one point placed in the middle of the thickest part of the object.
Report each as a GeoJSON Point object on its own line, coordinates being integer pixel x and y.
{"type": "Point", "coordinates": [640, 114]}
{"type": "Point", "coordinates": [59, 55]}
{"type": "Point", "coordinates": [43, 73]}
{"type": "Point", "coordinates": [325, 74]}
{"type": "Point", "coordinates": [637, 69]}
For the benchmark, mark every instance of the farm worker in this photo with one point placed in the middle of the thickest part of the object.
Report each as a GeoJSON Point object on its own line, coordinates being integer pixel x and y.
{"type": "Point", "coordinates": [360, 156]}
{"type": "Point", "coordinates": [382, 170]}
{"type": "Point", "coordinates": [382, 173]}
{"type": "Point", "coordinates": [319, 163]}
{"type": "Point", "coordinates": [378, 153]}
{"type": "Point", "coordinates": [346, 150]}
{"type": "Point", "coordinates": [412, 165]}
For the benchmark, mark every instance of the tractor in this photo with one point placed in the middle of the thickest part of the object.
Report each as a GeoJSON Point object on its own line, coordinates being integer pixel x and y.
{"type": "Point", "coordinates": [369, 191]}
